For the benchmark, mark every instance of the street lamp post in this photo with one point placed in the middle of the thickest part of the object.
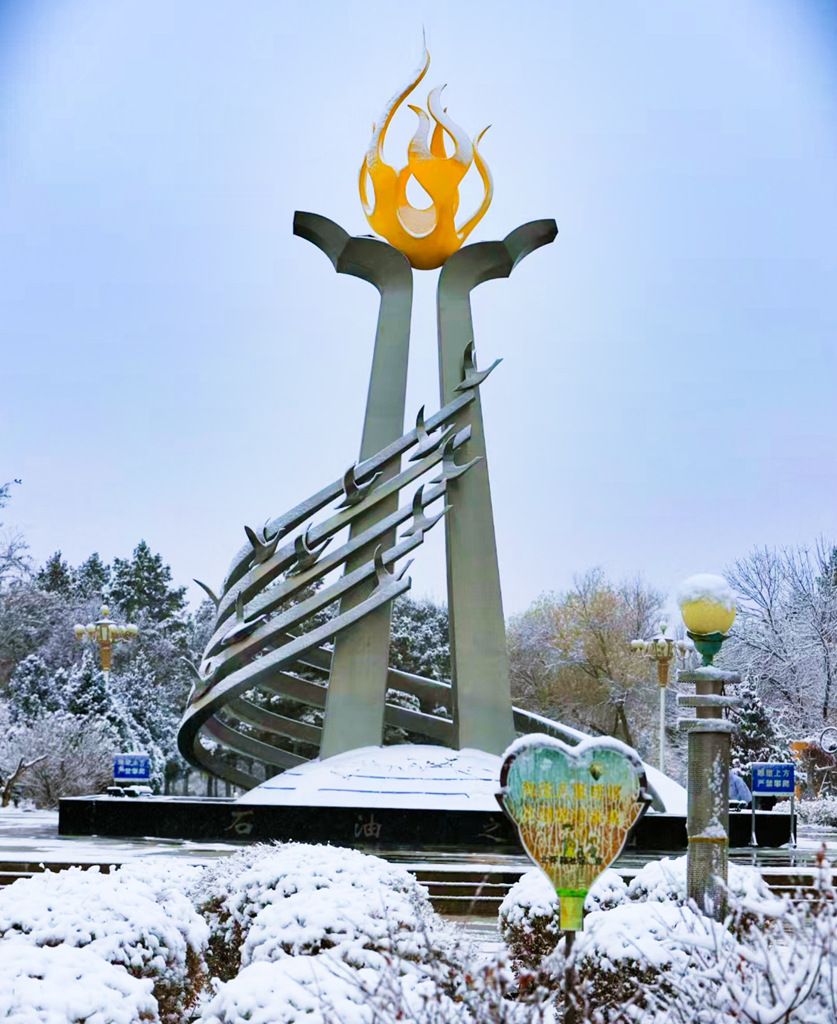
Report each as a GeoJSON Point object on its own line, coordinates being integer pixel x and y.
{"type": "Point", "coordinates": [661, 649]}
{"type": "Point", "coordinates": [708, 608]}
{"type": "Point", "coordinates": [105, 633]}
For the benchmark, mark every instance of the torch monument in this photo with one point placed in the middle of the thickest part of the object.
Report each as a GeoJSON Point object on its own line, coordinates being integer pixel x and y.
{"type": "Point", "coordinates": [270, 638]}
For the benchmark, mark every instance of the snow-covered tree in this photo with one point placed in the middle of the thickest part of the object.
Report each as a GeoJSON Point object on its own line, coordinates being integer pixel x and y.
{"type": "Point", "coordinates": [56, 576]}
{"type": "Point", "coordinates": [571, 657]}
{"type": "Point", "coordinates": [143, 583]}
{"type": "Point", "coordinates": [73, 757]}
{"type": "Point", "coordinates": [785, 634]}
{"type": "Point", "coordinates": [759, 736]}
{"type": "Point", "coordinates": [14, 561]}
{"type": "Point", "coordinates": [32, 691]}
{"type": "Point", "coordinates": [420, 641]}
{"type": "Point", "coordinates": [92, 578]}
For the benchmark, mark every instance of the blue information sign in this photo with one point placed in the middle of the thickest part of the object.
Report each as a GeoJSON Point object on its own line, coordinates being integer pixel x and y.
{"type": "Point", "coordinates": [131, 768]}
{"type": "Point", "coordinates": [772, 779]}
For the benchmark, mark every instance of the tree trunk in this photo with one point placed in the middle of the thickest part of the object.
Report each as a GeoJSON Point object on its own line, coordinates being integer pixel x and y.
{"type": "Point", "coordinates": [9, 784]}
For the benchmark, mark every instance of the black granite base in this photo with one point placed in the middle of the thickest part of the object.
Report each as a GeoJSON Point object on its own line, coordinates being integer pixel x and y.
{"type": "Point", "coordinates": [228, 820]}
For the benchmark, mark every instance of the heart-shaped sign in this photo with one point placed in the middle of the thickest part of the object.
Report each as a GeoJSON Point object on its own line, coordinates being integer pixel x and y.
{"type": "Point", "coordinates": [573, 807]}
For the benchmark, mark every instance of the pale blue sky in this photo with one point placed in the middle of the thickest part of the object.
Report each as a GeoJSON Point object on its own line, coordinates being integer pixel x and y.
{"type": "Point", "coordinates": [177, 364]}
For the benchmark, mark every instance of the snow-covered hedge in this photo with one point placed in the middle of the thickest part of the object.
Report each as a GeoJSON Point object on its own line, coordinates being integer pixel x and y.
{"type": "Point", "coordinates": [65, 985]}
{"type": "Point", "coordinates": [822, 812]}
{"type": "Point", "coordinates": [529, 915]}
{"type": "Point", "coordinates": [270, 902]}
{"type": "Point", "coordinates": [664, 963]}
{"type": "Point", "coordinates": [135, 919]}
{"type": "Point", "coordinates": [645, 954]}
{"type": "Point", "coordinates": [299, 934]}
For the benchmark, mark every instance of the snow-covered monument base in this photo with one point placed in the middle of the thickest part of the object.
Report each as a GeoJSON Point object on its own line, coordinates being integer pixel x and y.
{"type": "Point", "coordinates": [416, 776]}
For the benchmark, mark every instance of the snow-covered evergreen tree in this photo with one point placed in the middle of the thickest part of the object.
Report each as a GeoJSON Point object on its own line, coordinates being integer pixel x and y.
{"type": "Point", "coordinates": [33, 692]}
{"type": "Point", "coordinates": [420, 640]}
{"type": "Point", "coordinates": [759, 736]}
{"type": "Point", "coordinates": [56, 576]}
{"type": "Point", "coordinates": [152, 716]}
{"type": "Point", "coordinates": [92, 578]}
{"type": "Point", "coordinates": [144, 584]}
{"type": "Point", "coordinates": [90, 697]}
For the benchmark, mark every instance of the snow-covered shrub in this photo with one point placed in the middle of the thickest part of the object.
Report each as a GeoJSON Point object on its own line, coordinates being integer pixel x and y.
{"type": "Point", "coordinates": [529, 915]}
{"type": "Point", "coordinates": [782, 970]}
{"type": "Point", "coordinates": [65, 985]}
{"type": "Point", "coordinates": [821, 812]}
{"type": "Point", "coordinates": [324, 990]}
{"type": "Point", "coordinates": [152, 930]}
{"type": "Point", "coordinates": [623, 952]}
{"type": "Point", "coordinates": [286, 991]}
{"type": "Point", "coordinates": [665, 881]}
{"type": "Point", "coordinates": [528, 919]}
{"type": "Point", "coordinates": [656, 959]}
{"type": "Point", "coordinates": [633, 936]}
{"type": "Point", "coordinates": [661, 881]}
{"type": "Point", "coordinates": [269, 902]}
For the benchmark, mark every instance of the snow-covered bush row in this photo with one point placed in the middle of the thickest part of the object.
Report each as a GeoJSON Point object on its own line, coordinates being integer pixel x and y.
{"type": "Point", "coordinates": [64, 985]}
{"type": "Point", "coordinates": [133, 918]}
{"type": "Point", "coordinates": [645, 954]}
{"type": "Point", "coordinates": [293, 899]}
{"type": "Point", "coordinates": [822, 812]}
{"type": "Point", "coordinates": [530, 912]}
{"type": "Point", "coordinates": [271, 923]}
{"type": "Point", "coordinates": [664, 963]}
{"type": "Point", "coordinates": [321, 934]}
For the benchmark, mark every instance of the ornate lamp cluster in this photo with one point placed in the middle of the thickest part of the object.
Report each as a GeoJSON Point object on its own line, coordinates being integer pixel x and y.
{"type": "Point", "coordinates": [661, 649]}
{"type": "Point", "coordinates": [105, 633]}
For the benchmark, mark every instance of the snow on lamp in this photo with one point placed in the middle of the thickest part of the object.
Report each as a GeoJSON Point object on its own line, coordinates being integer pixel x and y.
{"type": "Point", "coordinates": [707, 605]}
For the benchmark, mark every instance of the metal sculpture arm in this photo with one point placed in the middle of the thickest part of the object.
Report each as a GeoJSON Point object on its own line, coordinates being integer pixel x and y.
{"type": "Point", "coordinates": [479, 659]}
{"type": "Point", "coordinates": [289, 520]}
{"type": "Point", "coordinates": [467, 269]}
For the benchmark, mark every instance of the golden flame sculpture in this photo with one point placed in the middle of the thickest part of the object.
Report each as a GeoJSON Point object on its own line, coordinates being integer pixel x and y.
{"type": "Point", "coordinates": [426, 236]}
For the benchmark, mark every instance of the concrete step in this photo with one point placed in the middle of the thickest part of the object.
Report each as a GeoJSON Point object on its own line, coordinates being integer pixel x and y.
{"type": "Point", "coordinates": [466, 906]}
{"type": "Point", "coordinates": [466, 889]}
{"type": "Point", "coordinates": [455, 891]}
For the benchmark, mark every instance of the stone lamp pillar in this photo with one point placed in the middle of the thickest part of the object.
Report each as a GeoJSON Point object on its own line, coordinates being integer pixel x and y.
{"type": "Point", "coordinates": [708, 608]}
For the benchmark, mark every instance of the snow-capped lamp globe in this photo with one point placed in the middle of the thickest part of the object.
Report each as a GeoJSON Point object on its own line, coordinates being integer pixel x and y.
{"type": "Point", "coordinates": [707, 605]}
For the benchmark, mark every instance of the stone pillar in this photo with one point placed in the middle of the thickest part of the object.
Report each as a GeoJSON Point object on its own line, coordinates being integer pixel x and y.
{"type": "Point", "coordinates": [708, 786]}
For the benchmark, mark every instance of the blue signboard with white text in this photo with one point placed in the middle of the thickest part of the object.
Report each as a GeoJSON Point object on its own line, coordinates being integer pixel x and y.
{"type": "Point", "coordinates": [131, 768]}
{"type": "Point", "coordinates": [772, 779]}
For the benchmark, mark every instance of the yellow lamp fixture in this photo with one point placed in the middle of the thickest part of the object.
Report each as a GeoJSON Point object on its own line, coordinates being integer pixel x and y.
{"type": "Point", "coordinates": [707, 605]}
{"type": "Point", "coordinates": [105, 633]}
{"type": "Point", "coordinates": [427, 237]}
